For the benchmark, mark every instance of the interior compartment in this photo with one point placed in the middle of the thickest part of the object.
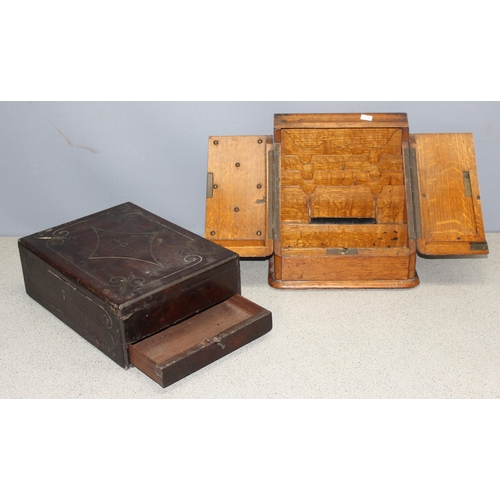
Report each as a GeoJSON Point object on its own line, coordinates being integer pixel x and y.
{"type": "Point", "coordinates": [343, 188]}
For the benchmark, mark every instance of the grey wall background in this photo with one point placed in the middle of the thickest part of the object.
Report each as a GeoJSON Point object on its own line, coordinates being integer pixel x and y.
{"type": "Point", "coordinates": [64, 160]}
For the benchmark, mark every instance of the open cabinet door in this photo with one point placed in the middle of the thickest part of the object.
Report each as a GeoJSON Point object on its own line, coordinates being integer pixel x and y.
{"type": "Point", "coordinates": [448, 213]}
{"type": "Point", "coordinates": [238, 194]}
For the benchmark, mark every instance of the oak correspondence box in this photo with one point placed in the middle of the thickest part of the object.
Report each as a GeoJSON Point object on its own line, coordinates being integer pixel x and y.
{"type": "Point", "coordinates": [142, 290]}
{"type": "Point", "coordinates": [344, 200]}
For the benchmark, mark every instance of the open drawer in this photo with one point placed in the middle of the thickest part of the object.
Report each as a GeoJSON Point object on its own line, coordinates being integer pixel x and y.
{"type": "Point", "coordinates": [184, 348]}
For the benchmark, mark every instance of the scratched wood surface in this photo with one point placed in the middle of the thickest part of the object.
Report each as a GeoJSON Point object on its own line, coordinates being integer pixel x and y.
{"type": "Point", "coordinates": [236, 211]}
{"type": "Point", "coordinates": [449, 197]}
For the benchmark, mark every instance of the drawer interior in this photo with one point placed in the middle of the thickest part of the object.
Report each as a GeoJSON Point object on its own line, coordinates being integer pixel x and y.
{"type": "Point", "coordinates": [181, 349]}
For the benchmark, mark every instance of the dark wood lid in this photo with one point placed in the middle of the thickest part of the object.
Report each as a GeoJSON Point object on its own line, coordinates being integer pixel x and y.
{"type": "Point", "coordinates": [125, 253]}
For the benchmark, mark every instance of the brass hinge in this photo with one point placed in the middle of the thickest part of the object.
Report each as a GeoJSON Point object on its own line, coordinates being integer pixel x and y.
{"type": "Point", "coordinates": [478, 246]}
{"type": "Point", "coordinates": [273, 206]}
{"type": "Point", "coordinates": [410, 160]}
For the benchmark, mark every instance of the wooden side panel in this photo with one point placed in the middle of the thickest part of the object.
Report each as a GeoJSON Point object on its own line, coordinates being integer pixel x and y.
{"type": "Point", "coordinates": [451, 220]}
{"type": "Point", "coordinates": [238, 193]}
{"type": "Point", "coordinates": [89, 316]}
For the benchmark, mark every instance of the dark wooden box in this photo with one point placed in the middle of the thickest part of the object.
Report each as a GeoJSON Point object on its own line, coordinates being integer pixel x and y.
{"type": "Point", "coordinates": [122, 275]}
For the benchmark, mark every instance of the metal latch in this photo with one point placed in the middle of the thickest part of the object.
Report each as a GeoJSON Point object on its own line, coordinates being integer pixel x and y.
{"type": "Point", "coordinates": [467, 184]}
{"type": "Point", "coordinates": [478, 246]}
{"type": "Point", "coordinates": [210, 185]}
{"type": "Point", "coordinates": [342, 251]}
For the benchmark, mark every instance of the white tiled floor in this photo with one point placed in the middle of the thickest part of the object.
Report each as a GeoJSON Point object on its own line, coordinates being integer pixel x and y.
{"type": "Point", "coordinates": [438, 340]}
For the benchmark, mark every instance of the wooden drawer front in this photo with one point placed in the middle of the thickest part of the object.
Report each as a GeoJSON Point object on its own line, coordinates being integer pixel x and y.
{"type": "Point", "coordinates": [182, 349]}
{"type": "Point", "coordinates": [391, 268]}
{"type": "Point", "coordinates": [346, 268]}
